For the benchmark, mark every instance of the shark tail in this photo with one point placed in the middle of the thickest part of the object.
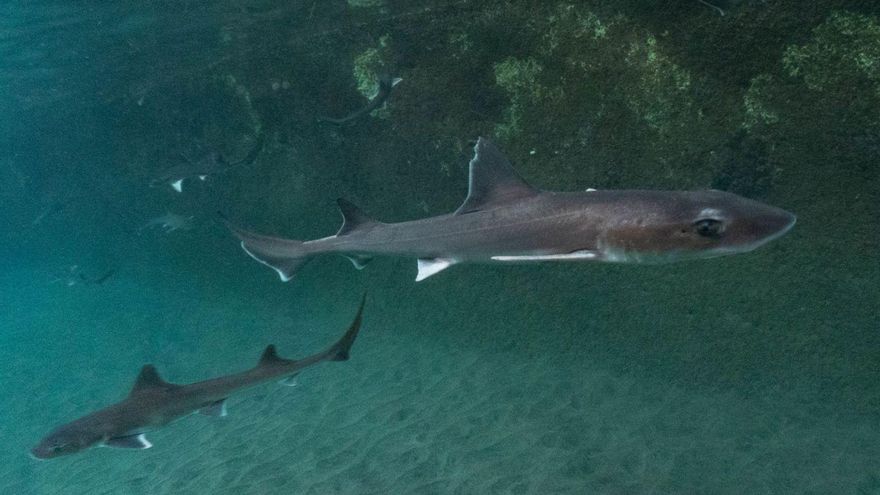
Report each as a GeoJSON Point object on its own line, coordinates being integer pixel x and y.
{"type": "Point", "coordinates": [340, 350]}
{"type": "Point", "coordinates": [285, 256]}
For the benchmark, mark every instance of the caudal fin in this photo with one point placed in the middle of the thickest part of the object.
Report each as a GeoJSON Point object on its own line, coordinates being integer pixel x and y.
{"type": "Point", "coordinates": [284, 256]}
{"type": "Point", "coordinates": [340, 350]}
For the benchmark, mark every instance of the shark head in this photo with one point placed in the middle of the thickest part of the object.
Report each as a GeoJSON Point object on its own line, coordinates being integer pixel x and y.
{"type": "Point", "coordinates": [693, 225]}
{"type": "Point", "coordinates": [65, 440]}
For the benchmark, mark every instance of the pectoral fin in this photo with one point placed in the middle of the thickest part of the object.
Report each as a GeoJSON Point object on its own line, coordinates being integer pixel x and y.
{"type": "Point", "coordinates": [290, 381]}
{"type": "Point", "coordinates": [432, 266]}
{"type": "Point", "coordinates": [216, 409]}
{"type": "Point", "coordinates": [177, 185]}
{"type": "Point", "coordinates": [138, 441]}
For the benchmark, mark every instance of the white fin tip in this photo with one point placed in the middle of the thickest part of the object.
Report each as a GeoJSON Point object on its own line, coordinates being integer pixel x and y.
{"type": "Point", "coordinates": [284, 277]}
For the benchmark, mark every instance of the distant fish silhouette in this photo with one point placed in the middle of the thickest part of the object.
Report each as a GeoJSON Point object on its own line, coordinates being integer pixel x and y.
{"type": "Point", "coordinates": [713, 6]}
{"type": "Point", "coordinates": [386, 84]}
{"type": "Point", "coordinates": [153, 402]}
{"type": "Point", "coordinates": [75, 276]}
{"type": "Point", "coordinates": [210, 165]}
{"type": "Point", "coordinates": [170, 222]}
{"type": "Point", "coordinates": [52, 205]}
{"type": "Point", "coordinates": [99, 279]}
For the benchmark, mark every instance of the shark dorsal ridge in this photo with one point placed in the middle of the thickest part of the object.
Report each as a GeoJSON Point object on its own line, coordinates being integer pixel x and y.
{"type": "Point", "coordinates": [147, 379]}
{"type": "Point", "coordinates": [353, 218]}
{"type": "Point", "coordinates": [492, 180]}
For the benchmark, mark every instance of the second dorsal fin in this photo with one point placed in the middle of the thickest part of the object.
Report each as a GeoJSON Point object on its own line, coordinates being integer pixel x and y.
{"type": "Point", "coordinates": [353, 218]}
{"type": "Point", "coordinates": [492, 180]}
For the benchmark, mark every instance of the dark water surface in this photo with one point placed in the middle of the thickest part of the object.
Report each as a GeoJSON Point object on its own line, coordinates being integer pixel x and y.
{"type": "Point", "coordinates": [756, 373]}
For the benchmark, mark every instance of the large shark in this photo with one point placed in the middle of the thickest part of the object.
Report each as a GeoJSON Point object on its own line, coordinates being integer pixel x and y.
{"type": "Point", "coordinates": [153, 402]}
{"type": "Point", "coordinates": [505, 220]}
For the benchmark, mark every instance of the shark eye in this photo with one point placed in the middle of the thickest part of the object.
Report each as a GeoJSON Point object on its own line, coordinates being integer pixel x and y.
{"type": "Point", "coordinates": [709, 227]}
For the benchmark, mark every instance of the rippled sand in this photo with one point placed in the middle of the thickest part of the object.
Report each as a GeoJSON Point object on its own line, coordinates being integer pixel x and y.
{"type": "Point", "coordinates": [414, 411]}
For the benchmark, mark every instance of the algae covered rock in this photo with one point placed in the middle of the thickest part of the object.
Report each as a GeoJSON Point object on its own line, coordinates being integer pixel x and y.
{"type": "Point", "coordinates": [844, 54]}
{"type": "Point", "coordinates": [833, 77]}
{"type": "Point", "coordinates": [365, 3]}
{"type": "Point", "coordinates": [369, 64]}
{"type": "Point", "coordinates": [520, 80]}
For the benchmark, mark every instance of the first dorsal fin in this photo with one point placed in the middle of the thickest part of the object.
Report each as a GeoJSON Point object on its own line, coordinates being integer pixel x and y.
{"type": "Point", "coordinates": [353, 218]}
{"type": "Point", "coordinates": [149, 378]}
{"type": "Point", "coordinates": [270, 356]}
{"type": "Point", "coordinates": [492, 180]}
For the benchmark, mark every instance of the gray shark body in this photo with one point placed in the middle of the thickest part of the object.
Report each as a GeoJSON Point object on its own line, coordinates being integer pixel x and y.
{"type": "Point", "coordinates": [506, 220]}
{"type": "Point", "coordinates": [153, 402]}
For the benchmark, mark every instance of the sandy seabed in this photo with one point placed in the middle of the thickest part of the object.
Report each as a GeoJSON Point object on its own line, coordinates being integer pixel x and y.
{"type": "Point", "coordinates": [411, 412]}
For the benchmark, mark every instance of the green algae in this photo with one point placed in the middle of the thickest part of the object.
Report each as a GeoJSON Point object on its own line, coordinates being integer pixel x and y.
{"type": "Point", "coordinates": [369, 64]}
{"type": "Point", "coordinates": [365, 3]}
{"type": "Point", "coordinates": [569, 21]}
{"type": "Point", "coordinates": [845, 49]}
{"type": "Point", "coordinates": [520, 79]}
{"type": "Point", "coordinates": [758, 112]}
{"type": "Point", "coordinates": [834, 77]}
{"type": "Point", "coordinates": [587, 74]}
{"type": "Point", "coordinates": [653, 85]}
{"type": "Point", "coordinates": [659, 89]}
{"type": "Point", "coordinates": [461, 43]}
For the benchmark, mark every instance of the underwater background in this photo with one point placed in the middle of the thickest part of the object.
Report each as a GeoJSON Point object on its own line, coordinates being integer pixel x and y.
{"type": "Point", "coordinates": [756, 373]}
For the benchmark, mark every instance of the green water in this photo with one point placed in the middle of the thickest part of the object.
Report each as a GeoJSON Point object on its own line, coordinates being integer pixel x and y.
{"type": "Point", "coordinates": [756, 373]}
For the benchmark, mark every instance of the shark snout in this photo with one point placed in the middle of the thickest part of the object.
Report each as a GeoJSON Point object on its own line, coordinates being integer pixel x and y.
{"type": "Point", "coordinates": [769, 226]}
{"type": "Point", "coordinates": [780, 223]}
{"type": "Point", "coordinates": [791, 219]}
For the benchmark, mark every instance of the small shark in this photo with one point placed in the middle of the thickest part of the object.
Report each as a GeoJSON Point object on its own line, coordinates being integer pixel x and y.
{"type": "Point", "coordinates": [505, 220]}
{"type": "Point", "coordinates": [212, 164]}
{"type": "Point", "coordinates": [386, 84]}
{"type": "Point", "coordinates": [170, 222]}
{"type": "Point", "coordinates": [153, 402]}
